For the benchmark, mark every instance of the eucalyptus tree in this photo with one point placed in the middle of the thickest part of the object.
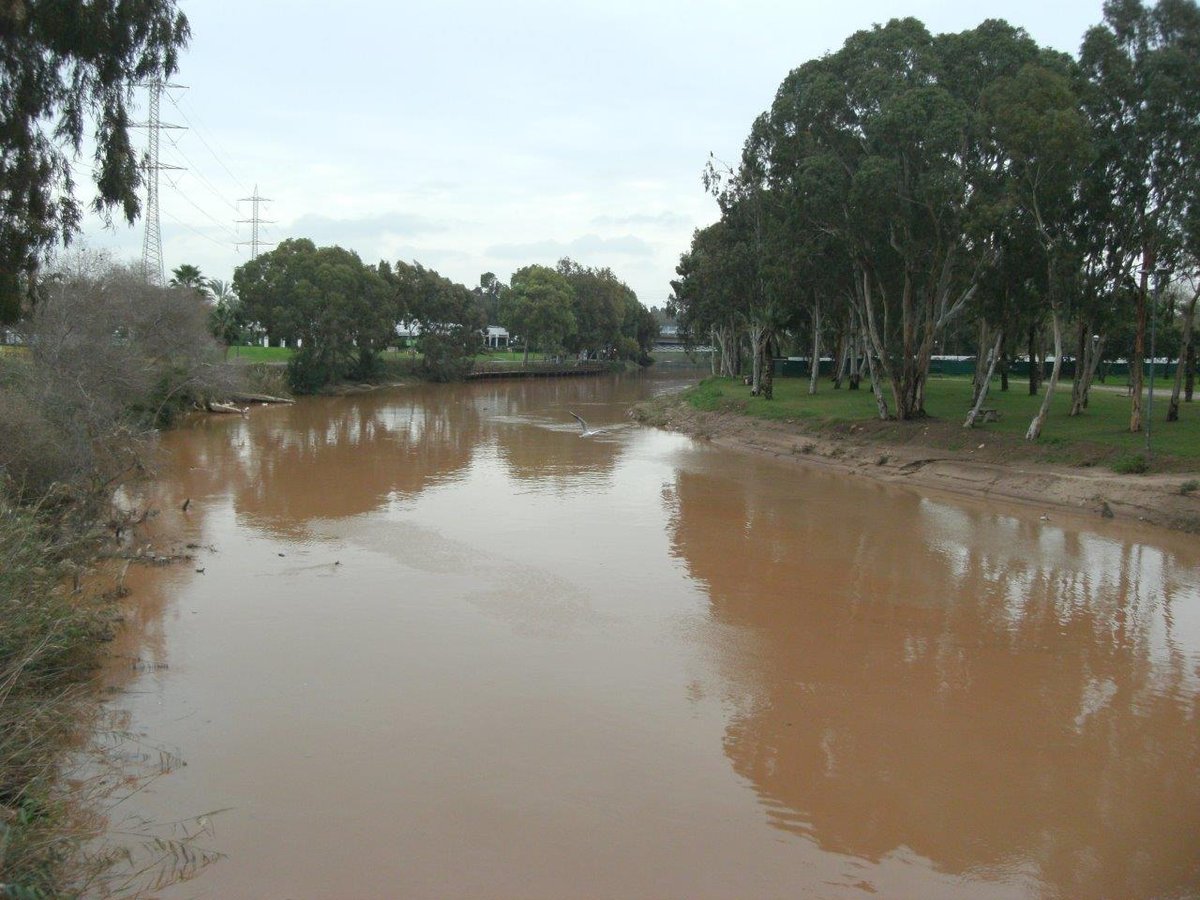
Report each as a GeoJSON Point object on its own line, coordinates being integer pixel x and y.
{"type": "Point", "coordinates": [707, 297]}
{"type": "Point", "coordinates": [340, 311]}
{"type": "Point", "coordinates": [740, 197]}
{"type": "Point", "coordinates": [598, 304]}
{"type": "Point", "coordinates": [639, 329]}
{"type": "Point", "coordinates": [537, 305]}
{"type": "Point", "coordinates": [61, 65]}
{"type": "Point", "coordinates": [449, 315]}
{"type": "Point", "coordinates": [1187, 345]}
{"type": "Point", "coordinates": [885, 145]}
{"type": "Point", "coordinates": [1143, 71]}
{"type": "Point", "coordinates": [1035, 118]}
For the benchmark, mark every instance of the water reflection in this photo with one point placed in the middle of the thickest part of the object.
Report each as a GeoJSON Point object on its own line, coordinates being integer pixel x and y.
{"type": "Point", "coordinates": [435, 619]}
{"type": "Point", "coordinates": [322, 459]}
{"type": "Point", "coordinates": [998, 695]}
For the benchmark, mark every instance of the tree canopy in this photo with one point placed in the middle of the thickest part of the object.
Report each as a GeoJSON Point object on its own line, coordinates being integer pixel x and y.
{"type": "Point", "coordinates": [338, 309]}
{"type": "Point", "coordinates": [910, 187]}
{"type": "Point", "coordinates": [64, 66]}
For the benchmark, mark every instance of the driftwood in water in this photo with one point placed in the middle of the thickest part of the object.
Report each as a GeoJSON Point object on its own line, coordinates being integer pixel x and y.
{"type": "Point", "coordinates": [225, 408]}
{"type": "Point", "coordinates": [259, 398]}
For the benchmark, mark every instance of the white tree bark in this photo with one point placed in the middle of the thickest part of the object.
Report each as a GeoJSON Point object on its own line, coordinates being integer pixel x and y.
{"type": "Point", "coordinates": [815, 367]}
{"type": "Point", "coordinates": [1189, 319]}
{"type": "Point", "coordinates": [1035, 426]}
{"type": "Point", "coordinates": [757, 340]}
{"type": "Point", "coordinates": [982, 391]}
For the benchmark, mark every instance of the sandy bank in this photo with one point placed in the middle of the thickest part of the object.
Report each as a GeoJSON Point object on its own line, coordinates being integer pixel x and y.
{"type": "Point", "coordinates": [974, 471]}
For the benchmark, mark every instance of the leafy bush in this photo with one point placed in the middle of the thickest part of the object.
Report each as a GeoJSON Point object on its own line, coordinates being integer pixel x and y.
{"type": "Point", "coordinates": [1131, 464]}
{"type": "Point", "coordinates": [308, 372]}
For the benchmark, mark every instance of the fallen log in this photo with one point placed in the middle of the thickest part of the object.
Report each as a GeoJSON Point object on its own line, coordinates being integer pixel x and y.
{"type": "Point", "coordinates": [259, 398]}
{"type": "Point", "coordinates": [225, 408]}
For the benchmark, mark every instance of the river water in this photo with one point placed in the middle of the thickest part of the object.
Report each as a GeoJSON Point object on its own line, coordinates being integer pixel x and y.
{"type": "Point", "coordinates": [433, 643]}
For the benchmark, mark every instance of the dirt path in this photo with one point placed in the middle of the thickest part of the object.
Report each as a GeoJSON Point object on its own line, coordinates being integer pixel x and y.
{"type": "Point", "coordinates": [1155, 499]}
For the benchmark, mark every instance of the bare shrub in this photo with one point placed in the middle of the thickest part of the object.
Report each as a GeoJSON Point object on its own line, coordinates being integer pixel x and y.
{"type": "Point", "coordinates": [109, 357]}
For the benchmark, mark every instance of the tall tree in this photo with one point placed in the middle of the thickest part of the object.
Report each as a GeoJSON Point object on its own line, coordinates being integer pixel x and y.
{"type": "Point", "coordinates": [1143, 69]}
{"type": "Point", "coordinates": [340, 311]}
{"type": "Point", "coordinates": [598, 303]}
{"type": "Point", "coordinates": [708, 296]}
{"type": "Point", "coordinates": [62, 64]}
{"type": "Point", "coordinates": [1041, 134]}
{"type": "Point", "coordinates": [884, 144]}
{"type": "Point", "coordinates": [537, 305]}
{"type": "Point", "coordinates": [449, 316]}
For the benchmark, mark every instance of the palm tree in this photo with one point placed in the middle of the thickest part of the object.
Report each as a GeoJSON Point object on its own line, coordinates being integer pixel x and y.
{"type": "Point", "coordinates": [226, 319]}
{"type": "Point", "coordinates": [188, 276]}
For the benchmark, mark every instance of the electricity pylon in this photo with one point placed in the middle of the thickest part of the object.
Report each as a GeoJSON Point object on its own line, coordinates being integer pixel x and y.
{"type": "Point", "coordinates": [254, 221]}
{"type": "Point", "coordinates": [152, 258]}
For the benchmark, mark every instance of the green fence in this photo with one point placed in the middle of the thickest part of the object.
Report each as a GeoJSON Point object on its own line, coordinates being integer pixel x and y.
{"type": "Point", "coordinates": [1017, 368]}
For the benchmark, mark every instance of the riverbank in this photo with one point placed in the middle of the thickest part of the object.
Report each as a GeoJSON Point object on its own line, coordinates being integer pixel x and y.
{"type": "Point", "coordinates": [942, 456]}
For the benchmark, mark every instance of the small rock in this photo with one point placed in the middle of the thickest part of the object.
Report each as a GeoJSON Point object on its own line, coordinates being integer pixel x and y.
{"type": "Point", "coordinates": [281, 554]}
{"type": "Point", "coordinates": [1045, 518]}
{"type": "Point", "coordinates": [1105, 509]}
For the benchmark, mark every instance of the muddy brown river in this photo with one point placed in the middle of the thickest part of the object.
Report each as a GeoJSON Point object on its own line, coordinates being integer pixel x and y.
{"type": "Point", "coordinates": [434, 644]}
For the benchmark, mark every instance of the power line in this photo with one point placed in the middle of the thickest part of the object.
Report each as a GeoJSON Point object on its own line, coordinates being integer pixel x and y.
{"type": "Point", "coordinates": [222, 225]}
{"type": "Point", "coordinates": [199, 129]}
{"type": "Point", "coordinates": [194, 230]}
{"type": "Point", "coordinates": [193, 169]}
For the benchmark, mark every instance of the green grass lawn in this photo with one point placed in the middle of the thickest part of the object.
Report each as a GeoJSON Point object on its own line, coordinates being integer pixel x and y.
{"type": "Point", "coordinates": [1103, 426]}
{"type": "Point", "coordinates": [258, 354]}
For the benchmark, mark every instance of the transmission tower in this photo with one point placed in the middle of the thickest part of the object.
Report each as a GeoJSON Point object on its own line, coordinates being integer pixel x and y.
{"type": "Point", "coordinates": [152, 259]}
{"type": "Point", "coordinates": [254, 221]}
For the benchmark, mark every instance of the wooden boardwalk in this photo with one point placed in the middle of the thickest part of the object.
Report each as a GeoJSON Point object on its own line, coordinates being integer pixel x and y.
{"type": "Point", "coordinates": [541, 369]}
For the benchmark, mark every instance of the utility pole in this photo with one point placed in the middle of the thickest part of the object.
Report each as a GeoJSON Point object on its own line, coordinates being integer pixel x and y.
{"type": "Point", "coordinates": [152, 259]}
{"type": "Point", "coordinates": [254, 221]}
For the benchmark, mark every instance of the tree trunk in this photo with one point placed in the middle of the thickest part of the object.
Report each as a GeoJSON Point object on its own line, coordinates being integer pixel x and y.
{"type": "Point", "coordinates": [756, 342]}
{"type": "Point", "coordinates": [840, 361]}
{"type": "Point", "coordinates": [768, 378]}
{"type": "Point", "coordinates": [981, 395]}
{"type": "Point", "coordinates": [1095, 350]}
{"type": "Point", "coordinates": [982, 362]}
{"type": "Point", "coordinates": [1083, 358]}
{"type": "Point", "coordinates": [1035, 371]}
{"type": "Point", "coordinates": [876, 386]}
{"type": "Point", "coordinates": [1188, 319]}
{"type": "Point", "coordinates": [815, 366]}
{"type": "Point", "coordinates": [525, 358]}
{"type": "Point", "coordinates": [1189, 381]}
{"type": "Point", "coordinates": [1035, 427]}
{"type": "Point", "coordinates": [855, 375]}
{"type": "Point", "coordinates": [1136, 380]}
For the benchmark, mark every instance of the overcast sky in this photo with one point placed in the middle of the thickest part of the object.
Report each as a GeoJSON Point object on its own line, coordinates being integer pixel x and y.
{"type": "Point", "coordinates": [478, 137]}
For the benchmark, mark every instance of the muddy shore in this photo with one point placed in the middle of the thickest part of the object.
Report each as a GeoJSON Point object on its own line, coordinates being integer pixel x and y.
{"type": "Point", "coordinates": [979, 470]}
